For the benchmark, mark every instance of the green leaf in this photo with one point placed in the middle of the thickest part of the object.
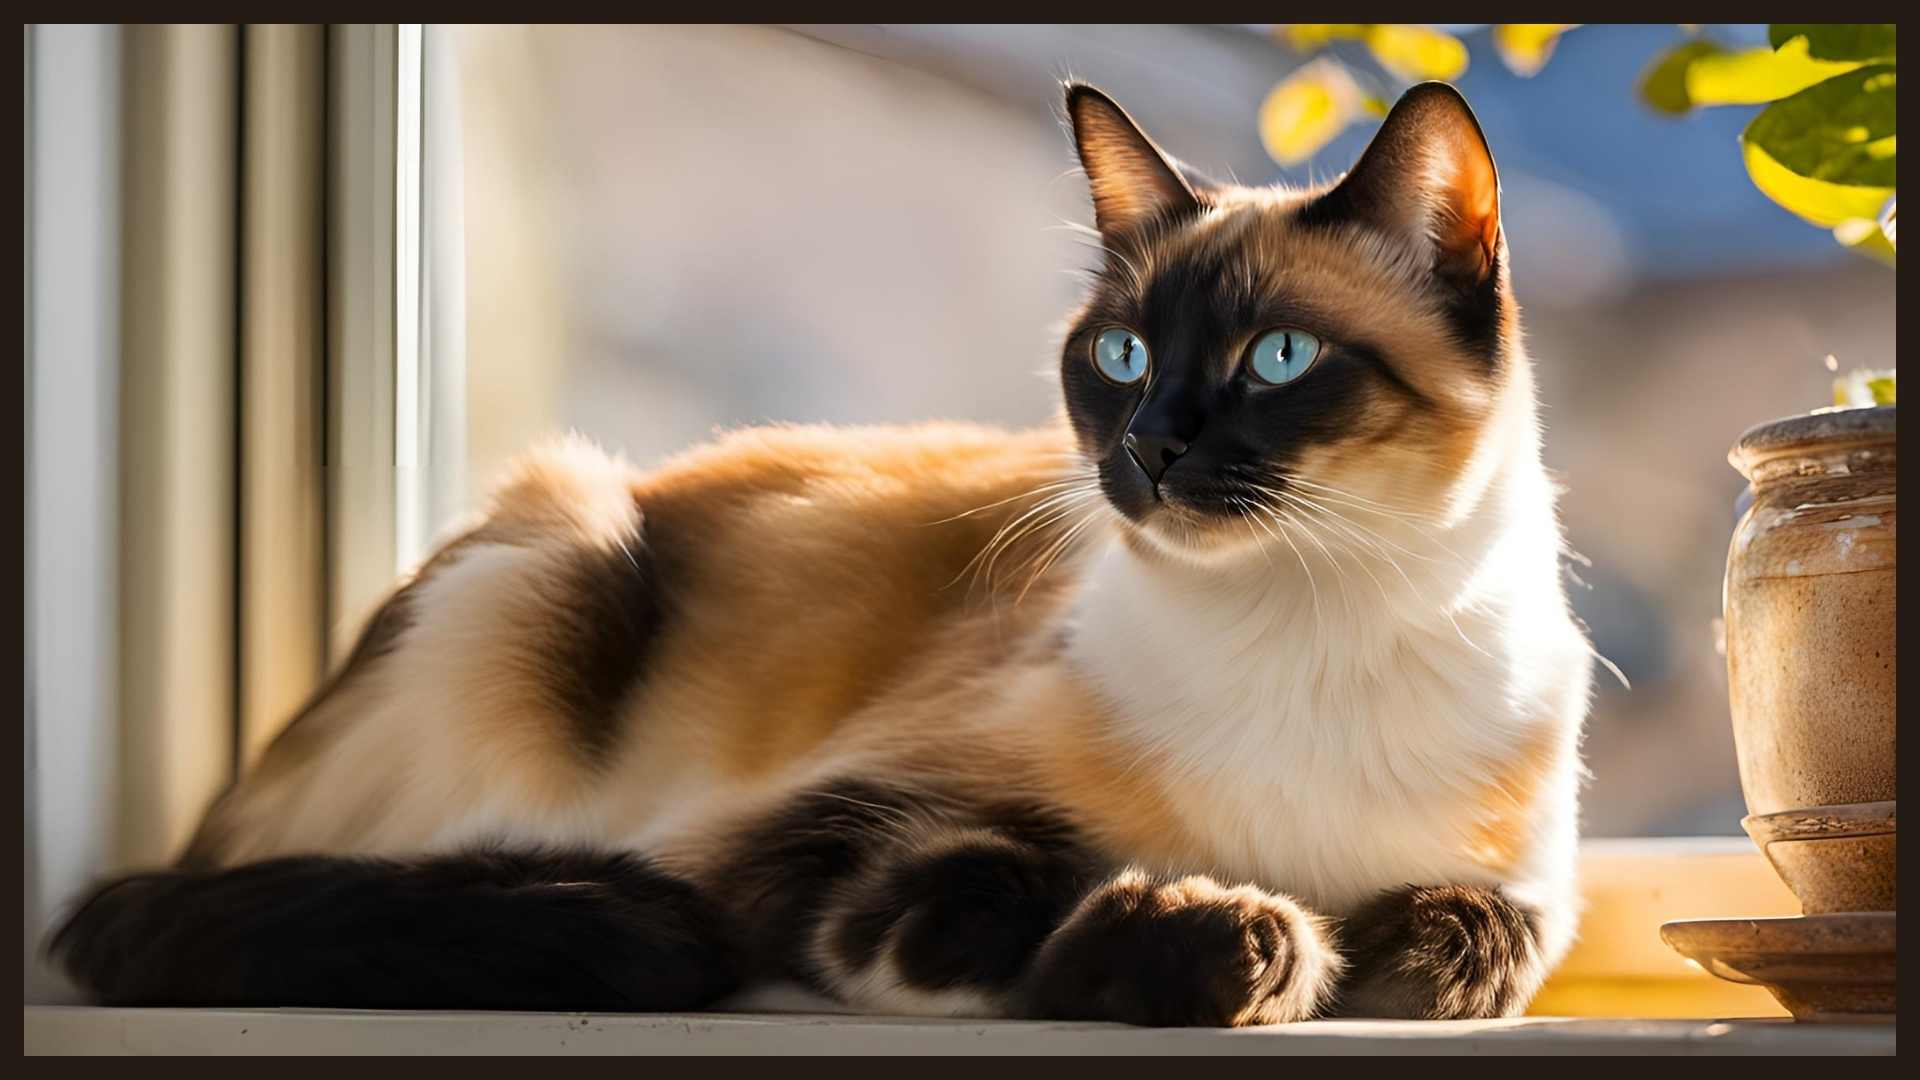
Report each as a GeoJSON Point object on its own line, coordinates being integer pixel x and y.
{"type": "Point", "coordinates": [1840, 131]}
{"type": "Point", "coordinates": [1837, 41]}
{"type": "Point", "coordinates": [1700, 72]}
{"type": "Point", "coordinates": [1664, 84]}
{"type": "Point", "coordinates": [1753, 76]}
{"type": "Point", "coordinates": [1822, 203]}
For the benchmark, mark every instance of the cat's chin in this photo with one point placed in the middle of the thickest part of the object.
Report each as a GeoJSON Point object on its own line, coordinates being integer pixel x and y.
{"type": "Point", "coordinates": [1201, 540]}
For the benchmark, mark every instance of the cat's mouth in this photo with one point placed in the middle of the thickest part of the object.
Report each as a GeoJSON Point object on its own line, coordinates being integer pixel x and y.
{"type": "Point", "coordinates": [1194, 513]}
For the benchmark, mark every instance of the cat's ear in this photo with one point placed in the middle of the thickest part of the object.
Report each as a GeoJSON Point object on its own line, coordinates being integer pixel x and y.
{"type": "Point", "coordinates": [1131, 179]}
{"type": "Point", "coordinates": [1428, 176]}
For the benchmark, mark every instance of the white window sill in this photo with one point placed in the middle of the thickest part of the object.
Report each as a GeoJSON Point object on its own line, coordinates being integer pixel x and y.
{"type": "Point", "coordinates": [84, 1030]}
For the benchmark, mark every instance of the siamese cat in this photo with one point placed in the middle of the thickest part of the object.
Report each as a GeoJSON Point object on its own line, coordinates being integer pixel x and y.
{"type": "Point", "coordinates": [1246, 692]}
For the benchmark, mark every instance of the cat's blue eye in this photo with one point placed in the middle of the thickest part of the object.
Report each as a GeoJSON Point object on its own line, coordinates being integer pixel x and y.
{"type": "Point", "coordinates": [1282, 356]}
{"type": "Point", "coordinates": [1120, 355]}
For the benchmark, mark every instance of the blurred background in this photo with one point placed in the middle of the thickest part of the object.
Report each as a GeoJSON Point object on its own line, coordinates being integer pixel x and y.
{"type": "Point", "coordinates": [673, 229]}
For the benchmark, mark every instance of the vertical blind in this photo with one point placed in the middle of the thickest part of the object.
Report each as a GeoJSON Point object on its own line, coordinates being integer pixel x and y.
{"type": "Point", "coordinates": [221, 481]}
{"type": "Point", "coordinates": [178, 441]}
{"type": "Point", "coordinates": [282, 520]}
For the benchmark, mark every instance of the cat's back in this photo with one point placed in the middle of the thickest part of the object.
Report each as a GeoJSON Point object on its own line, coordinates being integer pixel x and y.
{"type": "Point", "coordinates": [717, 618]}
{"type": "Point", "coordinates": [810, 571]}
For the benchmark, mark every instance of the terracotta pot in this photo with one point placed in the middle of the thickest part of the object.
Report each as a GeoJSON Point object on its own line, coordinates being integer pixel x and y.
{"type": "Point", "coordinates": [1810, 651]}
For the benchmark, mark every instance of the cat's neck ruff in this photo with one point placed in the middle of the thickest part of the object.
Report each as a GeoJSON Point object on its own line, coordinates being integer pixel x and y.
{"type": "Point", "coordinates": [1337, 748]}
{"type": "Point", "coordinates": [1206, 662]}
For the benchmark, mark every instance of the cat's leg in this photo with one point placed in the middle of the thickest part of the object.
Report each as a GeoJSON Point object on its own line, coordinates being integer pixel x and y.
{"type": "Point", "coordinates": [904, 903]}
{"type": "Point", "coordinates": [1445, 952]}
{"type": "Point", "coordinates": [895, 900]}
{"type": "Point", "coordinates": [950, 921]}
{"type": "Point", "coordinates": [1185, 952]}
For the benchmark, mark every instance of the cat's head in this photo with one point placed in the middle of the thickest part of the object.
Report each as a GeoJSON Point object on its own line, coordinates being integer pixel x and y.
{"type": "Point", "coordinates": [1246, 354]}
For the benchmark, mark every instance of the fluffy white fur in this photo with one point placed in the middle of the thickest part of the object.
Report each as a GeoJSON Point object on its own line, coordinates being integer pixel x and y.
{"type": "Point", "coordinates": [1337, 709]}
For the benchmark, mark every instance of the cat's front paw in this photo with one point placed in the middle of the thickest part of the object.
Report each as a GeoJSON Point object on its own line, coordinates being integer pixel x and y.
{"type": "Point", "coordinates": [1183, 953]}
{"type": "Point", "coordinates": [1448, 952]}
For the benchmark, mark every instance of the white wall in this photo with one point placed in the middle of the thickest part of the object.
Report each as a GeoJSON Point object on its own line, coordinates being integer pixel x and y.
{"type": "Point", "coordinates": [72, 226]}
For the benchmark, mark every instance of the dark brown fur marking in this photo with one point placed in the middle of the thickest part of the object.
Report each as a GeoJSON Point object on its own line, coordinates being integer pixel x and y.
{"type": "Point", "coordinates": [1447, 952]}
{"type": "Point", "coordinates": [603, 632]}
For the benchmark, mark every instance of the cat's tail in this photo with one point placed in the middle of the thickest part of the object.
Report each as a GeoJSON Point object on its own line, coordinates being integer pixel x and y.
{"type": "Point", "coordinates": [479, 930]}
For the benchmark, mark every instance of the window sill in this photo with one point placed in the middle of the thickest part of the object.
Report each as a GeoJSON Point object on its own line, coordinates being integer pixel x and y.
{"type": "Point", "coordinates": [1620, 990]}
{"type": "Point", "coordinates": [1620, 968]}
{"type": "Point", "coordinates": [83, 1030]}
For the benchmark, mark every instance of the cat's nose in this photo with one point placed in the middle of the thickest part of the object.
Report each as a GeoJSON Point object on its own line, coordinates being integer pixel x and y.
{"type": "Point", "coordinates": [1154, 453]}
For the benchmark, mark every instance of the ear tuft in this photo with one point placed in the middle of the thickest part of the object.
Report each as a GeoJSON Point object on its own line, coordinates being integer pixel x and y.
{"type": "Point", "coordinates": [1429, 176]}
{"type": "Point", "coordinates": [1130, 177]}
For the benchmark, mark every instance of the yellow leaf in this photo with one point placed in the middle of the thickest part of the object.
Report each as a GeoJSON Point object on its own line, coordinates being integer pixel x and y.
{"type": "Point", "coordinates": [1307, 109]}
{"type": "Point", "coordinates": [1417, 52]}
{"type": "Point", "coordinates": [1820, 202]}
{"type": "Point", "coordinates": [1753, 76]}
{"type": "Point", "coordinates": [1526, 47]}
{"type": "Point", "coordinates": [1309, 37]}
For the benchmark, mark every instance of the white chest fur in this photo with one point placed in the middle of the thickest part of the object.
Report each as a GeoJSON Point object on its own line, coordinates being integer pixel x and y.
{"type": "Point", "coordinates": [1334, 740]}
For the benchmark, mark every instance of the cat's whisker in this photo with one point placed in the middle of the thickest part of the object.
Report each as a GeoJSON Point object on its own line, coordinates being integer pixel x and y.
{"type": "Point", "coordinates": [1381, 543]}
{"type": "Point", "coordinates": [1246, 515]}
{"type": "Point", "coordinates": [1060, 547]}
{"type": "Point", "coordinates": [1014, 525]}
{"type": "Point", "coordinates": [1320, 503]}
{"type": "Point", "coordinates": [1444, 610]}
{"type": "Point", "coordinates": [1313, 587]}
{"type": "Point", "coordinates": [1372, 539]}
{"type": "Point", "coordinates": [1313, 538]}
{"type": "Point", "coordinates": [1050, 485]}
{"type": "Point", "coordinates": [1383, 554]}
{"type": "Point", "coordinates": [1347, 546]}
{"type": "Point", "coordinates": [1047, 512]}
{"type": "Point", "coordinates": [1295, 484]}
{"type": "Point", "coordinates": [1414, 517]}
{"type": "Point", "coordinates": [1420, 521]}
{"type": "Point", "coordinates": [1395, 509]}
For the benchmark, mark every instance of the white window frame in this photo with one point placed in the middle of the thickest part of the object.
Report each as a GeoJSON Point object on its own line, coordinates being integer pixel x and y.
{"type": "Point", "coordinates": [396, 441]}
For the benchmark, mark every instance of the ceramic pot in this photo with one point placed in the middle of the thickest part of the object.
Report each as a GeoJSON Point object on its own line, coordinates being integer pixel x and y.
{"type": "Point", "coordinates": [1833, 858]}
{"type": "Point", "coordinates": [1809, 606]}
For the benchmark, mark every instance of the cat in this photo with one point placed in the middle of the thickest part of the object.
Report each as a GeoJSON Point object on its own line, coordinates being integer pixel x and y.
{"type": "Point", "coordinates": [1246, 692]}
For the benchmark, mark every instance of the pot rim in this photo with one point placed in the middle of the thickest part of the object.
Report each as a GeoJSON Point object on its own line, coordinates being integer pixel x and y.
{"type": "Point", "coordinates": [1806, 430]}
{"type": "Point", "coordinates": [1821, 822]}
